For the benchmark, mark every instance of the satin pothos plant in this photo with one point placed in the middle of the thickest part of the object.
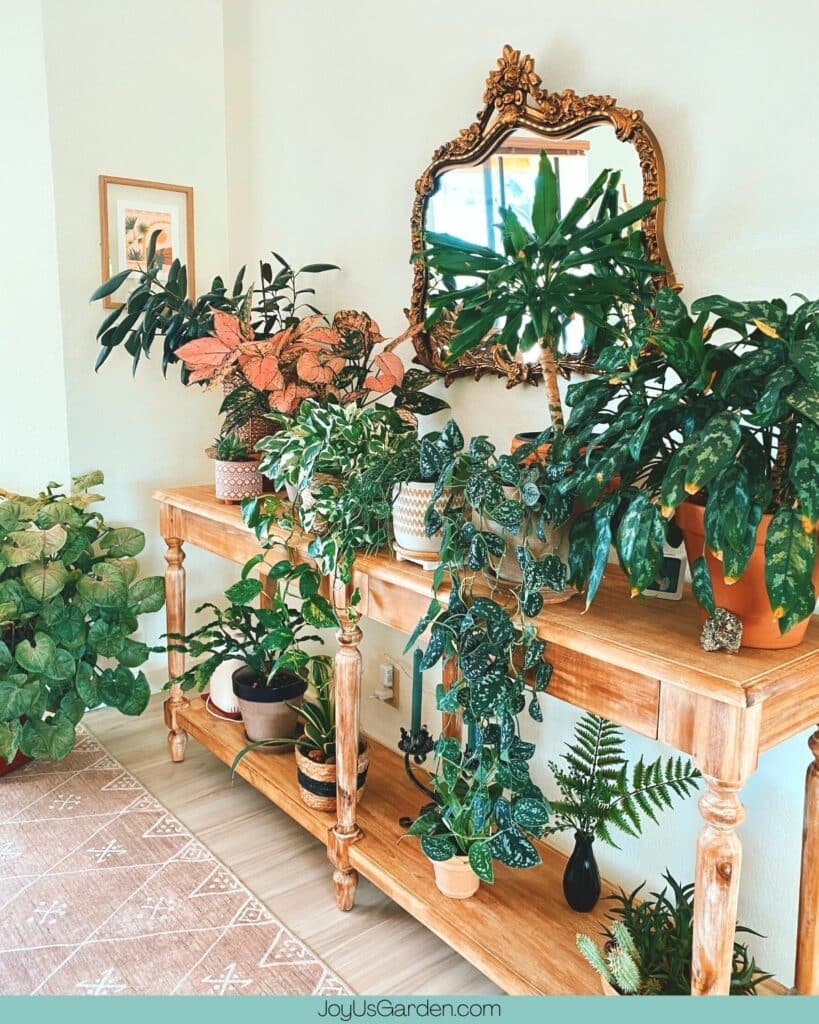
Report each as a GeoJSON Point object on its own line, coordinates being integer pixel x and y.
{"type": "Point", "coordinates": [719, 406]}
{"type": "Point", "coordinates": [588, 262]}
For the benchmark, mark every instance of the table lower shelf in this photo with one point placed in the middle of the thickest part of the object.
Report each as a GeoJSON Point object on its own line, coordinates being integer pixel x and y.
{"type": "Point", "coordinates": [518, 932]}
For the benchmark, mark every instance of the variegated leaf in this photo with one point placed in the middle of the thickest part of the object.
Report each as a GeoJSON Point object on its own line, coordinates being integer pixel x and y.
{"type": "Point", "coordinates": [804, 473]}
{"type": "Point", "coordinates": [640, 539]}
{"type": "Point", "coordinates": [790, 554]}
{"type": "Point", "coordinates": [710, 449]}
{"type": "Point", "coordinates": [805, 399]}
{"type": "Point", "coordinates": [805, 357]}
{"type": "Point", "coordinates": [701, 584]}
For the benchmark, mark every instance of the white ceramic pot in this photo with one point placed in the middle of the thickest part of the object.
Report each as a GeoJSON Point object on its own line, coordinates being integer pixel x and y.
{"type": "Point", "coordinates": [222, 696]}
{"type": "Point", "coordinates": [236, 481]}
{"type": "Point", "coordinates": [410, 502]}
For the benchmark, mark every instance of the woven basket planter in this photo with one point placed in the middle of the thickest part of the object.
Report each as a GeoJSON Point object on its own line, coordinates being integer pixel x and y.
{"type": "Point", "coordinates": [256, 427]}
{"type": "Point", "coordinates": [317, 781]}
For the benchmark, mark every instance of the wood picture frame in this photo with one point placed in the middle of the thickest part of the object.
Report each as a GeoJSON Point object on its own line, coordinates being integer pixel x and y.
{"type": "Point", "coordinates": [130, 210]}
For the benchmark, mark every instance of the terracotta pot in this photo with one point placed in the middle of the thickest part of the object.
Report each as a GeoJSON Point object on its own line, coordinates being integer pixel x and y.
{"type": "Point", "coordinates": [748, 597]}
{"type": "Point", "coordinates": [264, 708]}
{"type": "Point", "coordinates": [16, 762]}
{"type": "Point", "coordinates": [235, 481]}
{"type": "Point", "coordinates": [455, 878]}
{"type": "Point", "coordinates": [556, 543]}
{"type": "Point", "coordinates": [317, 779]}
{"type": "Point", "coordinates": [410, 502]}
{"type": "Point", "coordinates": [540, 454]}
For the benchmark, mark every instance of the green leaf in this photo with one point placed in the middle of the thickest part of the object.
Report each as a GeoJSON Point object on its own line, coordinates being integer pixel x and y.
{"type": "Point", "coordinates": [709, 449]}
{"type": "Point", "coordinates": [701, 584]}
{"type": "Point", "coordinates": [110, 286]}
{"type": "Point", "coordinates": [480, 860]}
{"type": "Point", "coordinates": [10, 736]}
{"type": "Point", "coordinates": [790, 555]}
{"type": "Point", "coordinates": [545, 205]}
{"type": "Point", "coordinates": [133, 654]}
{"type": "Point", "coordinates": [805, 357]}
{"type": "Point", "coordinates": [804, 472]}
{"type": "Point", "coordinates": [106, 638]}
{"type": "Point", "coordinates": [531, 814]}
{"type": "Point", "coordinates": [44, 580]}
{"type": "Point", "coordinates": [318, 612]}
{"type": "Point", "coordinates": [22, 546]}
{"type": "Point", "coordinates": [86, 684]}
{"type": "Point", "coordinates": [438, 847]}
{"type": "Point", "coordinates": [805, 399]}
{"type": "Point", "coordinates": [17, 695]}
{"type": "Point", "coordinates": [124, 690]}
{"type": "Point", "coordinates": [52, 738]}
{"type": "Point", "coordinates": [36, 658]}
{"type": "Point", "coordinates": [244, 591]}
{"type": "Point", "coordinates": [105, 586]}
{"type": "Point", "coordinates": [640, 540]}
{"type": "Point", "coordinates": [514, 849]}
{"type": "Point", "coordinates": [147, 595]}
{"type": "Point", "coordinates": [126, 541]}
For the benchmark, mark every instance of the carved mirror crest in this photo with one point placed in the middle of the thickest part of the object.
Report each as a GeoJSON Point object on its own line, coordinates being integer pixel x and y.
{"type": "Point", "coordinates": [493, 163]}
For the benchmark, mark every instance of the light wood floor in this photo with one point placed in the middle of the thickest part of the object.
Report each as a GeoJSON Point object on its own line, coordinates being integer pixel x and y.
{"type": "Point", "coordinates": [377, 948]}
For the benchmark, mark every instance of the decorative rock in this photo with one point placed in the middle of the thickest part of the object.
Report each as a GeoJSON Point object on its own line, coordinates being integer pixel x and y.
{"type": "Point", "coordinates": [722, 632]}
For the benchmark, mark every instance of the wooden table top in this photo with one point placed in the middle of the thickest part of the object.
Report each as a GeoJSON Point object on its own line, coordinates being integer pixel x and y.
{"type": "Point", "coordinates": [651, 637]}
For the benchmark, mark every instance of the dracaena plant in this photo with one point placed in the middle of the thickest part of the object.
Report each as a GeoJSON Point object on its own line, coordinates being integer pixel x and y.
{"type": "Point", "coordinates": [648, 947]}
{"type": "Point", "coordinates": [159, 305]}
{"type": "Point", "coordinates": [599, 794]}
{"type": "Point", "coordinates": [477, 813]}
{"type": "Point", "coordinates": [723, 410]}
{"type": "Point", "coordinates": [267, 639]}
{"type": "Point", "coordinates": [589, 262]}
{"type": "Point", "coordinates": [70, 602]}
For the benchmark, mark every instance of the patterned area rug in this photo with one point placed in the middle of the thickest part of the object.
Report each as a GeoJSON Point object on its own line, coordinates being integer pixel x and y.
{"type": "Point", "coordinates": [103, 892]}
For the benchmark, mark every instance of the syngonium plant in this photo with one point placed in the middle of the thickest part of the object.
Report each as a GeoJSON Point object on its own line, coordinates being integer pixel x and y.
{"type": "Point", "coordinates": [70, 601]}
{"type": "Point", "coordinates": [724, 411]}
{"type": "Point", "coordinates": [588, 262]}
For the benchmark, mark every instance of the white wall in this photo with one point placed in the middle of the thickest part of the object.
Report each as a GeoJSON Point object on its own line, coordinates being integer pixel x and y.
{"type": "Point", "coordinates": [33, 439]}
{"type": "Point", "coordinates": [135, 90]}
{"type": "Point", "coordinates": [343, 103]}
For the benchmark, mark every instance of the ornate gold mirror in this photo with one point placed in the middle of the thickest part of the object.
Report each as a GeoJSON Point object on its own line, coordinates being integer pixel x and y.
{"type": "Point", "coordinates": [493, 163]}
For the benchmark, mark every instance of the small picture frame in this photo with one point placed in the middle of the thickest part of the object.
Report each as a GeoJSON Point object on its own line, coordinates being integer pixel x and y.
{"type": "Point", "coordinates": [131, 210]}
{"type": "Point", "coordinates": [670, 585]}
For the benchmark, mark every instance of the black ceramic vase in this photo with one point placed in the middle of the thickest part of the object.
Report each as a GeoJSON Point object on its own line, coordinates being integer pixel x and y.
{"type": "Point", "coordinates": [581, 879]}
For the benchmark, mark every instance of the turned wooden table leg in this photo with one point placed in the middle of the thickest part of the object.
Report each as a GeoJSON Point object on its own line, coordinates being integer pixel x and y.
{"type": "Point", "coordinates": [716, 888]}
{"type": "Point", "coordinates": [175, 617]}
{"type": "Point", "coordinates": [347, 692]}
{"type": "Point", "coordinates": [807, 935]}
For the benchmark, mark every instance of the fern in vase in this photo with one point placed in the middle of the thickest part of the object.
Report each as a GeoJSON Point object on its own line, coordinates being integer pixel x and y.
{"type": "Point", "coordinates": [601, 792]}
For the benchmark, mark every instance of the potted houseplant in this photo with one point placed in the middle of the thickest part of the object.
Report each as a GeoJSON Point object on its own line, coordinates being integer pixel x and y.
{"type": "Point", "coordinates": [712, 429]}
{"type": "Point", "coordinates": [648, 948]}
{"type": "Point", "coordinates": [269, 642]}
{"type": "Point", "coordinates": [599, 794]}
{"type": "Point", "coordinates": [588, 263]}
{"type": "Point", "coordinates": [70, 601]}
{"type": "Point", "coordinates": [316, 743]}
{"type": "Point", "coordinates": [475, 820]}
{"type": "Point", "coordinates": [236, 469]}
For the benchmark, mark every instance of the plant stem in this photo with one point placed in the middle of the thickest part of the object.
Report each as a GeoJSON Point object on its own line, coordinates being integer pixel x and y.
{"type": "Point", "coordinates": [548, 364]}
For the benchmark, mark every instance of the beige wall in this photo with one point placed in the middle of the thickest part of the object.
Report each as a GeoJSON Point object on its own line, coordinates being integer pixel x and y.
{"type": "Point", "coordinates": [345, 101]}
{"type": "Point", "coordinates": [33, 439]}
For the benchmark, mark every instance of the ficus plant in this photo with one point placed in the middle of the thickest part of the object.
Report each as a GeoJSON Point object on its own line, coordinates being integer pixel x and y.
{"type": "Point", "coordinates": [70, 602]}
{"type": "Point", "coordinates": [720, 406]}
{"type": "Point", "coordinates": [588, 262]}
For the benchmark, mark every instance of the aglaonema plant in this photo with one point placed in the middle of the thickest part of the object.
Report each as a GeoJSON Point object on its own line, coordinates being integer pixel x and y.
{"type": "Point", "coordinates": [588, 262]}
{"type": "Point", "coordinates": [721, 406]}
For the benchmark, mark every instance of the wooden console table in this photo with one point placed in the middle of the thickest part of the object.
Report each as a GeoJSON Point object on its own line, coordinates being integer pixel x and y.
{"type": "Point", "coordinates": [636, 663]}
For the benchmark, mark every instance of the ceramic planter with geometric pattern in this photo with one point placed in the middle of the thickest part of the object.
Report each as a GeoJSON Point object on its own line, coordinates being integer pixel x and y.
{"type": "Point", "coordinates": [236, 481]}
{"type": "Point", "coordinates": [410, 501]}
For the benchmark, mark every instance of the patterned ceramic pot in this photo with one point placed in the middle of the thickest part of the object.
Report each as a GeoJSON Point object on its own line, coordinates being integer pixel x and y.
{"type": "Point", "coordinates": [237, 480]}
{"type": "Point", "coordinates": [455, 878]}
{"type": "Point", "coordinates": [410, 502]}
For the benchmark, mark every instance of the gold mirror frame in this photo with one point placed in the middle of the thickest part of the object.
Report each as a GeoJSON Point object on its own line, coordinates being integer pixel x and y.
{"type": "Point", "coordinates": [513, 99]}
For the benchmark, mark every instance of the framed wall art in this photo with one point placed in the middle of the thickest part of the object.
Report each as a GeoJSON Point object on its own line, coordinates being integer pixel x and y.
{"type": "Point", "coordinates": [130, 211]}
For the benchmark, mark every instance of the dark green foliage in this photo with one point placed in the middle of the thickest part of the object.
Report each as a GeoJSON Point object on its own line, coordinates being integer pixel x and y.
{"type": "Point", "coordinates": [70, 603]}
{"type": "Point", "coordinates": [662, 930]}
{"type": "Point", "coordinates": [600, 794]}
{"type": "Point", "coordinates": [267, 639]}
{"type": "Point", "coordinates": [229, 448]}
